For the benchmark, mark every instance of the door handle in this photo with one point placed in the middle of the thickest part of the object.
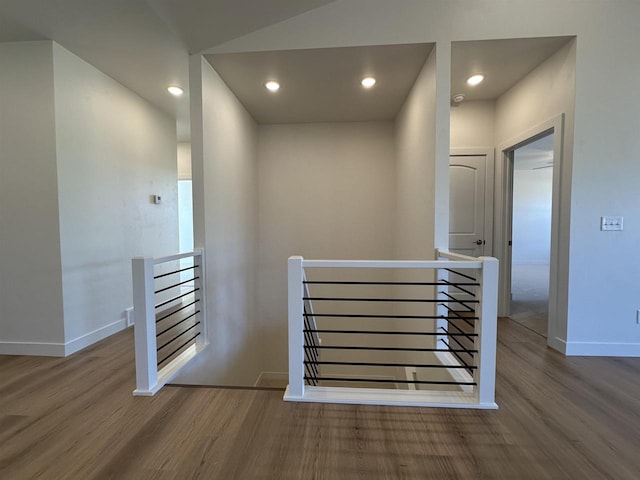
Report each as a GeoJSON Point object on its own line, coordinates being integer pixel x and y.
{"type": "Point", "coordinates": [479, 242]}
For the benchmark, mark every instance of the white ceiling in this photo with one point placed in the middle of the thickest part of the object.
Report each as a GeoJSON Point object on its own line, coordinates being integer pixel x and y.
{"type": "Point", "coordinates": [145, 45]}
{"type": "Point", "coordinates": [323, 85]}
{"type": "Point", "coordinates": [502, 62]}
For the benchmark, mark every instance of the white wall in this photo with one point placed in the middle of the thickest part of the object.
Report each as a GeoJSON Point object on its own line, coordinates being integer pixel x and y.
{"type": "Point", "coordinates": [415, 168]}
{"type": "Point", "coordinates": [114, 151]}
{"type": "Point", "coordinates": [472, 124]}
{"type": "Point", "coordinates": [531, 225]}
{"type": "Point", "coordinates": [326, 191]}
{"type": "Point", "coordinates": [225, 188]}
{"type": "Point", "coordinates": [81, 156]}
{"type": "Point", "coordinates": [547, 92]}
{"type": "Point", "coordinates": [31, 313]}
{"type": "Point", "coordinates": [604, 142]}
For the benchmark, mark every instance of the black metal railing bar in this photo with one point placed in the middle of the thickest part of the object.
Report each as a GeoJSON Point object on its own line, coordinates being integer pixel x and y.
{"type": "Point", "coordinates": [176, 298]}
{"type": "Point", "coordinates": [464, 349]}
{"type": "Point", "coordinates": [178, 323]}
{"type": "Point", "coordinates": [386, 380]}
{"type": "Point", "coordinates": [173, 312]}
{"type": "Point", "coordinates": [455, 353]}
{"type": "Point", "coordinates": [457, 285]}
{"type": "Point", "coordinates": [376, 364]}
{"type": "Point", "coordinates": [380, 332]}
{"type": "Point", "coordinates": [453, 299]}
{"type": "Point", "coordinates": [178, 349]}
{"type": "Point", "coordinates": [175, 271]}
{"type": "Point", "coordinates": [461, 334]}
{"type": "Point", "coordinates": [393, 349]}
{"type": "Point", "coordinates": [426, 284]}
{"type": "Point", "coordinates": [178, 336]}
{"type": "Point", "coordinates": [175, 285]}
{"type": "Point", "coordinates": [467, 320]}
{"type": "Point", "coordinates": [367, 299]}
{"type": "Point", "coordinates": [363, 315]}
{"type": "Point", "coordinates": [464, 275]}
{"type": "Point", "coordinates": [311, 355]}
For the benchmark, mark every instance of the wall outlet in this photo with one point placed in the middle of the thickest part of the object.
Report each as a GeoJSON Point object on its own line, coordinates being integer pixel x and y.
{"type": "Point", "coordinates": [128, 315]}
{"type": "Point", "coordinates": [610, 224]}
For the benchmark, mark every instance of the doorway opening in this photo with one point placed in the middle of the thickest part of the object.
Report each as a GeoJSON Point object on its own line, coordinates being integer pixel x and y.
{"type": "Point", "coordinates": [528, 284]}
{"type": "Point", "coordinates": [532, 187]}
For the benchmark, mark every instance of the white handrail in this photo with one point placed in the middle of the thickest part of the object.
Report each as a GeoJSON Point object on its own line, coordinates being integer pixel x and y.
{"type": "Point", "coordinates": [473, 263]}
{"type": "Point", "coordinates": [177, 256]}
{"type": "Point", "coordinates": [454, 256]}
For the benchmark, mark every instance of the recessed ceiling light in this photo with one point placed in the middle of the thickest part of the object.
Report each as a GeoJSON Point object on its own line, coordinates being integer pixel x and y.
{"type": "Point", "coordinates": [175, 90]}
{"type": "Point", "coordinates": [368, 82]}
{"type": "Point", "coordinates": [458, 97]}
{"type": "Point", "coordinates": [272, 86]}
{"type": "Point", "coordinates": [475, 79]}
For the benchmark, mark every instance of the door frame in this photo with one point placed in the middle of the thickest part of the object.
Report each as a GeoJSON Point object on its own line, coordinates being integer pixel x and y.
{"type": "Point", "coordinates": [489, 174]}
{"type": "Point", "coordinates": [504, 211]}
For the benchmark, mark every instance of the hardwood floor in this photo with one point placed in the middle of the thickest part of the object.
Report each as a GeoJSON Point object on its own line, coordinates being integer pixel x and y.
{"type": "Point", "coordinates": [559, 418]}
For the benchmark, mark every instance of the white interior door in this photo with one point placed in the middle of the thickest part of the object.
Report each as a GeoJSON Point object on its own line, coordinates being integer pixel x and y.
{"type": "Point", "coordinates": [467, 204]}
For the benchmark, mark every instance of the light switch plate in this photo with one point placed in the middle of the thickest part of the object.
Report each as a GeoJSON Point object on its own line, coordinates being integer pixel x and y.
{"type": "Point", "coordinates": [610, 223]}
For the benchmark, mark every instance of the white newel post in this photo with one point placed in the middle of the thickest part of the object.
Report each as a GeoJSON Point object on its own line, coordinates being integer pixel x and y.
{"type": "Point", "coordinates": [487, 329]}
{"type": "Point", "coordinates": [144, 326]}
{"type": "Point", "coordinates": [296, 325]}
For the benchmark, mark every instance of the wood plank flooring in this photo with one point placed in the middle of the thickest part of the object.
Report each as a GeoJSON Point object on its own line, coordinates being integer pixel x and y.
{"type": "Point", "coordinates": [559, 418]}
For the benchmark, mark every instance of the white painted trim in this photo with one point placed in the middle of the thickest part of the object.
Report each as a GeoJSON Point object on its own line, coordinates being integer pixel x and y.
{"type": "Point", "coordinates": [375, 396]}
{"type": "Point", "coordinates": [45, 349]}
{"type": "Point", "coordinates": [602, 349]}
{"type": "Point", "coordinates": [503, 173]}
{"type": "Point", "coordinates": [41, 349]}
{"type": "Point", "coordinates": [90, 338]}
{"type": "Point", "coordinates": [557, 344]}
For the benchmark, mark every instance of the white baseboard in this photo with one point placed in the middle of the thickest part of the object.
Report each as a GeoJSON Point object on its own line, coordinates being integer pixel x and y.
{"type": "Point", "coordinates": [407, 398]}
{"type": "Point", "coordinates": [602, 349]}
{"type": "Point", "coordinates": [44, 349]}
{"type": "Point", "coordinates": [40, 349]}
{"type": "Point", "coordinates": [92, 337]}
